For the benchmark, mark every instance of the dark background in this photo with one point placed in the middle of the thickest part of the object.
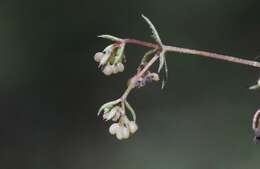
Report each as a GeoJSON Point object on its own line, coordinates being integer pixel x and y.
{"type": "Point", "coordinates": [51, 89]}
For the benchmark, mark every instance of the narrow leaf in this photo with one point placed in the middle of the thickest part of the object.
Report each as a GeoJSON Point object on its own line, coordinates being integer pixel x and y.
{"type": "Point", "coordinates": [154, 31]}
{"type": "Point", "coordinates": [110, 37]}
{"type": "Point", "coordinates": [147, 55]}
{"type": "Point", "coordinates": [166, 74]}
{"type": "Point", "coordinates": [130, 108]}
{"type": "Point", "coordinates": [108, 104]}
{"type": "Point", "coordinates": [254, 87]}
{"type": "Point", "coordinates": [161, 61]}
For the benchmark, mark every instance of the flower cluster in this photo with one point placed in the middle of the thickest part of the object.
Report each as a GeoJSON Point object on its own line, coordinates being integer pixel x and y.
{"type": "Point", "coordinates": [111, 59]}
{"type": "Point", "coordinates": [122, 127]}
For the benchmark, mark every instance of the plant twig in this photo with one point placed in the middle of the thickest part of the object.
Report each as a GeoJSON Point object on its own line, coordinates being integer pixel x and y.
{"type": "Point", "coordinates": [167, 48]}
{"type": "Point", "coordinates": [112, 59]}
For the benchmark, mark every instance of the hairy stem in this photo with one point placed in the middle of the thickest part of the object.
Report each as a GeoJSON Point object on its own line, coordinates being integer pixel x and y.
{"type": "Point", "coordinates": [134, 79]}
{"type": "Point", "coordinates": [167, 48]}
{"type": "Point", "coordinates": [212, 55]}
{"type": "Point", "coordinates": [142, 43]}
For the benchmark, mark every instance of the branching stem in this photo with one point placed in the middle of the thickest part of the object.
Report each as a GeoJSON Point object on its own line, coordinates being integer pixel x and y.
{"type": "Point", "coordinates": [167, 48]}
{"type": "Point", "coordinates": [134, 79]}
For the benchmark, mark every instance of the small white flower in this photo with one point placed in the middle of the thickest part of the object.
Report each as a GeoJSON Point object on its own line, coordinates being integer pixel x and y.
{"type": "Point", "coordinates": [122, 127]}
{"type": "Point", "coordinates": [104, 59]}
{"type": "Point", "coordinates": [110, 114]}
{"type": "Point", "coordinates": [108, 70]}
{"type": "Point", "coordinates": [120, 67]}
{"type": "Point", "coordinates": [98, 56]}
{"type": "Point", "coordinates": [113, 128]}
{"type": "Point", "coordinates": [119, 133]}
{"type": "Point", "coordinates": [125, 132]}
{"type": "Point", "coordinates": [155, 76]}
{"type": "Point", "coordinates": [132, 126]}
{"type": "Point", "coordinates": [117, 115]}
{"type": "Point", "coordinates": [115, 69]}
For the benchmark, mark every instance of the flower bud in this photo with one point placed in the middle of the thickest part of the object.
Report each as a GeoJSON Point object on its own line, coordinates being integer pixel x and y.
{"type": "Point", "coordinates": [120, 67]}
{"type": "Point", "coordinates": [104, 59]}
{"type": "Point", "coordinates": [155, 76]}
{"type": "Point", "coordinates": [113, 128]}
{"type": "Point", "coordinates": [119, 133]}
{"type": "Point", "coordinates": [132, 126]}
{"type": "Point", "coordinates": [117, 116]}
{"type": "Point", "coordinates": [98, 56]}
{"type": "Point", "coordinates": [108, 70]}
{"type": "Point", "coordinates": [115, 69]}
{"type": "Point", "coordinates": [125, 132]}
{"type": "Point", "coordinates": [109, 115]}
{"type": "Point", "coordinates": [258, 82]}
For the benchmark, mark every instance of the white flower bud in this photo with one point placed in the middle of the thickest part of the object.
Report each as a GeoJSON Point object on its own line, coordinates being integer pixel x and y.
{"type": "Point", "coordinates": [120, 67]}
{"type": "Point", "coordinates": [98, 56]}
{"type": "Point", "coordinates": [109, 115]}
{"type": "Point", "coordinates": [258, 82]}
{"type": "Point", "coordinates": [155, 76]}
{"type": "Point", "coordinates": [119, 133]}
{"type": "Point", "coordinates": [132, 126]}
{"type": "Point", "coordinates": [104, 59]}
{"type": "Point", "coordinates": [108, 70]}
{"type": "Point", "coordinates": [125, 132]}
{"type": "Point", "coordinates": [115, 69]}
{"type": "Point", "coordinates": [113, 128]}
{"type": "Point", "coordinates": [117, 116]}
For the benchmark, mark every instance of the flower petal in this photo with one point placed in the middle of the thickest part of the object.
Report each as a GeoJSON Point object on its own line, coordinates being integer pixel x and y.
{"type": "Point", "coordinates": [108, 105]}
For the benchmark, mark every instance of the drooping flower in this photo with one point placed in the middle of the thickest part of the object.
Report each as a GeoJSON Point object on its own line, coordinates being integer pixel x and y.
{"type": "Point", "coordinates": [122, 127]}
{"type": "Point", "coordinates": [111, 59]}
{"type": "Point", "coordinates": [132, 127]}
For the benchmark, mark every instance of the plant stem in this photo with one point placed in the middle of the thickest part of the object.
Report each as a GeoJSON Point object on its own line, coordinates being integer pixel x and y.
{"type": "Point", "coordinates": [167, 48]}
{"type": "Point", "coordinates": [212, 55]}
{"type": "Point", "coordinates": [142, 43]}
{"type": "Point", "coordinates": [134, 79]}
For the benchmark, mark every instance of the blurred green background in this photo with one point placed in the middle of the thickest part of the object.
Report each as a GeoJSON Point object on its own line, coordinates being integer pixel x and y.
{"type": "Point", "coordinates": [51, 89]}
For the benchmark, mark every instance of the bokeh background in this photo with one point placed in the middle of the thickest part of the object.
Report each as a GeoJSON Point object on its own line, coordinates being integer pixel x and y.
{"type": "Point", "coordinates": [51, 89]}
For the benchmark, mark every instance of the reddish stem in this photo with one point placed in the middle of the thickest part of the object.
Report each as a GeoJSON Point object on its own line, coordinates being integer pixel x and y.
{"type": "Point", "coordinates": [213, 55]}
{"type": "Point", "coordinates": [193, 52]}
{"type": "Point", "coordinates": [142, 43]}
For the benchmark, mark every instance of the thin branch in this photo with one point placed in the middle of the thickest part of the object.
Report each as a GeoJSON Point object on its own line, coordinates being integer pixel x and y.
{"type": "Point", "coordinates": [142, 43]}
{"type": "Point", "coordinates": [135, 78]}
{"type": "Point", "coordinates": [193, 52]}
{"type": "Point", "coordinates": [213, 55]}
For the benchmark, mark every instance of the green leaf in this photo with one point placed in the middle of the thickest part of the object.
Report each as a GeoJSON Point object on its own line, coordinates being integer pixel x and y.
{"type": "Point", "coordinates": [161, 61]}
{"type": "Point", "coordinates": [166, 74]}
{"type": "Point", "coordinates": [154, 31]}
{"type": "Point", "coordinates": [108, 105]}
{"type": "Point", "coordinates": [254, 87]}
{"type": "Point", "coordinates": [130, 108]}
{"type": "Point", "coordinates": [110, 37]}
{"type": "Point", "coordinates": [147, 55]}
